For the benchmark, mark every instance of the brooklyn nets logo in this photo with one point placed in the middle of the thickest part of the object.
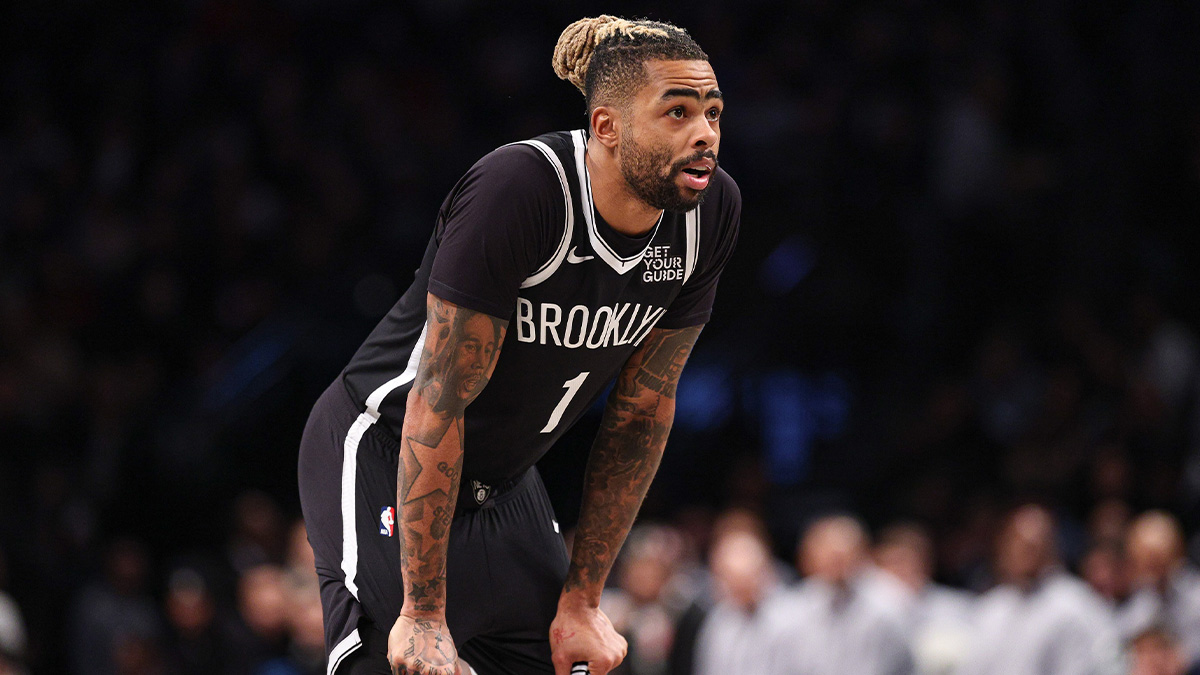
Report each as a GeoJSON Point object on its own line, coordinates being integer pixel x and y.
{"type": "Point", "coordinates": [481, 491]}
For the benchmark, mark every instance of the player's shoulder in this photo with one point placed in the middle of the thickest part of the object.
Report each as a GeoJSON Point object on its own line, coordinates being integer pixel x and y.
{"type": "Point", "coordinates": [519, 171]}
{"type": "Point", "coordinates": [539, 153]}
{"type": "Point", "coordinates": [514, 161]}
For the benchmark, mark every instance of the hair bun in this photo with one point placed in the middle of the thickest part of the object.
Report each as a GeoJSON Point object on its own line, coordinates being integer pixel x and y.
{"type": "Point", "coordinates": [575, 47]}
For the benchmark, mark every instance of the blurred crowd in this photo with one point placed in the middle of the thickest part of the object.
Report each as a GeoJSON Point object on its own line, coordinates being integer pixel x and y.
{"type": "Point", "coordinates": [251, 606]}
{"type": "Point", "coordinates": [872, 605]}
{"type": "Point", "coordinates": [965, 281]}
{"type": "Point", "coordinates": [701, 596]}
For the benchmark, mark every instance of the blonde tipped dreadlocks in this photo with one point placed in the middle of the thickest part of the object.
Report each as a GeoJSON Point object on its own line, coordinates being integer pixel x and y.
{"type": "Point", "coordinates": [604, 56]}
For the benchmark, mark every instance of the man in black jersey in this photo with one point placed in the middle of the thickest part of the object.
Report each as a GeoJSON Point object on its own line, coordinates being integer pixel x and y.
{"type": "Point", "coordinates": [558, 265]}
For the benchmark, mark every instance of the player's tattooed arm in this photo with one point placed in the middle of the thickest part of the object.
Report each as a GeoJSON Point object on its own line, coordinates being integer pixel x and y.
{"type": "Point", "coordinates": [459, 355]}
{"type": "Point", "coordinates": [457, 360]}
{"type": "Point", "coordinates": [625, 456]}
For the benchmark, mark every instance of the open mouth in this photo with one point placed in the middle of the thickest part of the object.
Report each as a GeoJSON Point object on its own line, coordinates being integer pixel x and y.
{"type": "Point", "coordinates": [697, 177]}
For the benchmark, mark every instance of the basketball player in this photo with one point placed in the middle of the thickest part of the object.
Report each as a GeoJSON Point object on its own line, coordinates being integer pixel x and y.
{"type": "Point", "coordinates": [557, 265]}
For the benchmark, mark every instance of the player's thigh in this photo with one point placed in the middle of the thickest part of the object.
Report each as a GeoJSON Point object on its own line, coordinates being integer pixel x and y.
{"type": "Point", "coordinates": [531, 558]}
{"type": "Point", "coordinates": [379, 573]}
{"type": "Point", "coordinates": [496, 656]}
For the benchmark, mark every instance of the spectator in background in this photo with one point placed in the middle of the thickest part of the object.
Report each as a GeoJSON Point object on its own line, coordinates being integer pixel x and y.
{"type": "Point", "coordinates": [114, 623]}
{"type": "Point", "coordinates": [747, 593]}
{"type": "Point", "coordinates": [191, 615]}
{"type": "Point", "coordinates": [1157, 652]}
{"type": "Point", "coordinates": [692, 585]}
{"type": "Point", "coordinates": [204, 639]}
{"type": "Point", "coordinates": [638, 606]}
{"type": "Point", "coordinates": [305, 653]}
{"type": "Point", "coordinates": [258, 532]}
{"type": "Point", "coordinates": [1039, 620]}
{"type": "Point", "coordinates": [936, 616]}
{"type": "Point", "coordinates": [1103, 568]}
{"type": "Point", "coordinates": [842, 618]}
{"type": "Point", "coordinates": [306, 625]}
{"type": "Point", "coordinates": [263, 605]}
{"type": "Point", "coordinates": [137, 654]}
{"type": "Point", "coordinates": [299, 562]}
{"type": "Point", "coordinates": [1166, 587]}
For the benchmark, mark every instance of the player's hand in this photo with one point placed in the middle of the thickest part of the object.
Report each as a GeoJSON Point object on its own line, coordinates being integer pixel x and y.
{"type": "Point", "coordinates": [581, 633]}
{"type": "Point", "coordinates": [421, 647]}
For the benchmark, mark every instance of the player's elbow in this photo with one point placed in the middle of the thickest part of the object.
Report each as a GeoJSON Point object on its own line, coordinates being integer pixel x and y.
{"type": "Point", "coordinates": [644, 407]}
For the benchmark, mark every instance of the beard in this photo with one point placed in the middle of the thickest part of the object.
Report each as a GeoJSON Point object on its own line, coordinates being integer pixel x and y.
{"type": "Point", "coordinates": [650, 175]}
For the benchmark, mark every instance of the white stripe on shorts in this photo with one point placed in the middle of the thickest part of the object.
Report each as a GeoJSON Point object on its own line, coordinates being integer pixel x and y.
{"type": "Point", "coordinates": [343, 649]}
{"type": "Point", "coordinates": [349, 473]}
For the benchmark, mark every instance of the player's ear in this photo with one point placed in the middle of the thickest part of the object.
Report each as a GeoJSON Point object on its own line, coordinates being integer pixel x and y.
{"type": "Point", "coordinates": [606, 125]}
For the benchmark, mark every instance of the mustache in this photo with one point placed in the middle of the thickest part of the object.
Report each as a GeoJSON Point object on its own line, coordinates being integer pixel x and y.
{"type": "Point", "coordinates": [700, 154]}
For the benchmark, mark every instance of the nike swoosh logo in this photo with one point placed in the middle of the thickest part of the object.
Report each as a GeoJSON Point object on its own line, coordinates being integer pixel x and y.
{"type": "Point", "coordinates": [576, 259]}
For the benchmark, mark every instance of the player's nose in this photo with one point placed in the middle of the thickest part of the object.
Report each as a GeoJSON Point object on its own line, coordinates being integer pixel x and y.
{"type": "Point", "coordinates": [703, 134]}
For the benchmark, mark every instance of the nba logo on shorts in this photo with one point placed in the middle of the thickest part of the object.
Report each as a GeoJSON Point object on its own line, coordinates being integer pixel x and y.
{"type": "Point", "coordinates": [387, 521]}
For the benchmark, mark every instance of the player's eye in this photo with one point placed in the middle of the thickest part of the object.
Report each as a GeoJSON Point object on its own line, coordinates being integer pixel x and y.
{"type": "Point", "coordinates": [714, 113]}
{"type": "Point", "coordinates": [676, 112]}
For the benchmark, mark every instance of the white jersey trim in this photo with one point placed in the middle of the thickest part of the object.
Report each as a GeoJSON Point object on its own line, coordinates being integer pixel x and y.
{"type": "Point", "coordinates": [692, 225]}
{"type": "Point", "coordinates": [410, 373]}
{"type": "Point", "coordinates": [601, 247]}
{"type": "Point", "coordinates": [551, 266]}
{"type": "Point", "coordinates": [343, 649]}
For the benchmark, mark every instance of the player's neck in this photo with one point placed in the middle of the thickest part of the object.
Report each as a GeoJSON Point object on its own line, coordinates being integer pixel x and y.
{"type": "Point", "coordinates": [614, 201]}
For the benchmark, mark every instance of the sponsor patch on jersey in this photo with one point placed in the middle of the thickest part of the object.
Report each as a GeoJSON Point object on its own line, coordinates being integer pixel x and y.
{"type": "Point", "coordinates": [481, 491]}
{"type": "Point", "coordinates": [387, 521]}
{"type": "Point", "coordinates": [660, 265]}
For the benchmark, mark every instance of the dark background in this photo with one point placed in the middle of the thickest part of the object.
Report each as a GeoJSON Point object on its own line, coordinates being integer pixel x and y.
{"type": "Point", "coordinates": [966, 275]}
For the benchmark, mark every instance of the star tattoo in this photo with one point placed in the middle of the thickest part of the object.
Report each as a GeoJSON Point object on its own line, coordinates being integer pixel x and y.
{"type": "Point", "coordinates": [424, 483]}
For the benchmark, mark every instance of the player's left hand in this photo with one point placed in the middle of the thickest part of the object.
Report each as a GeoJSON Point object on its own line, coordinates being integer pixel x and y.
{"type": "Point", "coordinates": [422, 647]}
{"type": "Point", "coordinates": [581, 633]}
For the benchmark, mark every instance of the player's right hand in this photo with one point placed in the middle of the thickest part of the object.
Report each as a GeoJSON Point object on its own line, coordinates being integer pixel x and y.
{"type": "Point", "coordinates": [581, 634]}
{"type": "Point", "coordinates": [422, 647]}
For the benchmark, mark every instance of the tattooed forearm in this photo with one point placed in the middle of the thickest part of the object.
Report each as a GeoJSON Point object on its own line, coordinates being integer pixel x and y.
{"type": "Point", "coordinates": [626, 454]}
{"type": "Point", "coordinates": [459, 356]}
{"type": "Point", "coordinates": [460, 352]}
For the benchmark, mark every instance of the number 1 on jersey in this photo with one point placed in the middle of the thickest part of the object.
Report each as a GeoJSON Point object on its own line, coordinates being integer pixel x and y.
{"type": "Point", "coordinates": [572, 386]}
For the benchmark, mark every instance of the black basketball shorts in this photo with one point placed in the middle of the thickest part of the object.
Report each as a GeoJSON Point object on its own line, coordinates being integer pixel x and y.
{"type": "Point", "coordinates": [505, 568]}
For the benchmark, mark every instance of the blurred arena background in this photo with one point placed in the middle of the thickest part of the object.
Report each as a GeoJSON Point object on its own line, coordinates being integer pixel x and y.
{"type": "Point", "coordinates": [967, 280]}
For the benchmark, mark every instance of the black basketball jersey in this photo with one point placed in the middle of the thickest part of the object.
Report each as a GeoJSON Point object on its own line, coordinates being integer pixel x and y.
{"type": "Point", "coordinates": [520, 239]}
